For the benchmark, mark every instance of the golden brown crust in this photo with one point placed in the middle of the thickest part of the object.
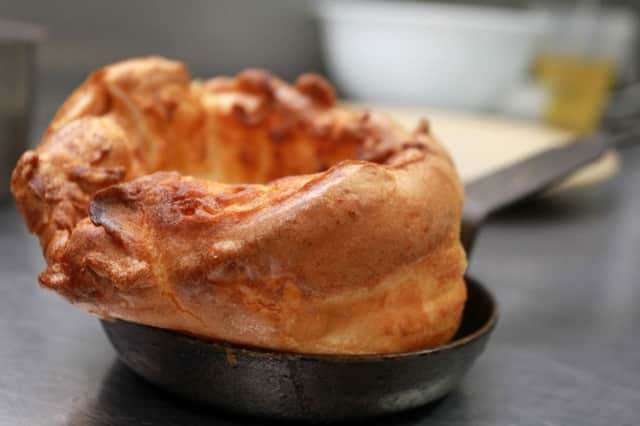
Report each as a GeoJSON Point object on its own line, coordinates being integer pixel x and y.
{"type": "Point", "coordinates": [347, 241]}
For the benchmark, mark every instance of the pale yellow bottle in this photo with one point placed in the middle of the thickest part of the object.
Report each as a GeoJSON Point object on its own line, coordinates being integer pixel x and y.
{"type": "Point", "coordinates": [578, 89]}
{"type": "Point", "coordinates": [576, 69]}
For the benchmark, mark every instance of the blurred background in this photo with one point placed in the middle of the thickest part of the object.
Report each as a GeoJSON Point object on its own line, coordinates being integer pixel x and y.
{"type": "Point", "coordinates": [498, 80]}
{"type": "Point", "coordinates": [550, 64]}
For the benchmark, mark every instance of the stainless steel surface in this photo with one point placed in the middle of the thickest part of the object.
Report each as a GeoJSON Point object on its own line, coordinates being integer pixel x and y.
{"type": "Point", "coordinates": [17, 49]}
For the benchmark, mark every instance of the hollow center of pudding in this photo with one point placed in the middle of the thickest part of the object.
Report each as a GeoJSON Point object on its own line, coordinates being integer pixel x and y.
{"type": "Point", "coordinates": [232, 153]}
{"type": "Point", "coordinates": [258, 159]}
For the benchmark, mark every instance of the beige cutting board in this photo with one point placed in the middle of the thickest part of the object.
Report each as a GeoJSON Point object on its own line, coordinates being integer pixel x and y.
{"type": "Point", "coordinates": [483, 144]}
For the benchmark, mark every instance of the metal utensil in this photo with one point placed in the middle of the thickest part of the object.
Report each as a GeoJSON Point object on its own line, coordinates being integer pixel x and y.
{"type": "Point", "coordinates": [342, 387]}
{"type": "Point", "coordinates": [531, 176]}
{"type": "Point", "coordinates": [18, 43]}
{"type": "Point", "coordinates": [619, 129]}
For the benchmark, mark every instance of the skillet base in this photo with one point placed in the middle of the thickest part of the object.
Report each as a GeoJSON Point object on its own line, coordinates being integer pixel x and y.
{"type": "Point", "coordinates": [317, 388]}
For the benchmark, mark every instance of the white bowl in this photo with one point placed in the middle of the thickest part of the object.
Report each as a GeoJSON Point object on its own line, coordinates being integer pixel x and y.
{"type": "Point", "coordinates": [459, 57]}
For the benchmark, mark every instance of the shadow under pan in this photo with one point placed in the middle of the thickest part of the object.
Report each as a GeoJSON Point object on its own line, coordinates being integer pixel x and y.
{"type": "Point", "coordinates": [310, 387]}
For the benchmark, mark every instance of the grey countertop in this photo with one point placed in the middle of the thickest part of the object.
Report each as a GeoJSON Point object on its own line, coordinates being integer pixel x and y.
{"type": "Point", "coordinates": [566, 350]}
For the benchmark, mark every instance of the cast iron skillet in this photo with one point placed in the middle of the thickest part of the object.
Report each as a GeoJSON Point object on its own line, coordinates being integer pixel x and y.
{"type": "Point", "coordinates": [322, 388]}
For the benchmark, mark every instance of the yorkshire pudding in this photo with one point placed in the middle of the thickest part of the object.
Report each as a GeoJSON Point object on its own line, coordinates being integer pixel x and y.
{"type": "Point", "coordinates": [247, 210]}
